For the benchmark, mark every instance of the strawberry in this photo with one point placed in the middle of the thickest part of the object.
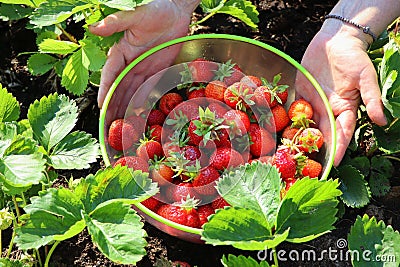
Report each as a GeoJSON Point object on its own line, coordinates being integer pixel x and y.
{"type": "Point", "coordinates": [155, 117]}
{"type": "Point", "coordinates": [290, 132]}
{"type": "Point", "coordinates": [204, 182]}
{"type": "Point", "coordinates": [251, 81]}
{"type": "Point", "coordinates": [300, 108]}
{"type": "Point", "coordinates": [181, 191]}
{"type": "Point", "coordinates": [180, 264]}
{"type": "Point", "coordinates": [155, 132]}
{"type": "Point", "coordinates": [224, 158]}
{"type": "Point", "coordinates": [202, 70]}
{"type": "Point", "coordinates": [191, 153]}
{"type": "Point", "coordinates": [284, 160]}
{"type": "Point", "coordinates": [161, 173]}
{"type": "Point", "coordinates": [263, 159]}
{"type": "Point", "coordinates": [187, 109]}
{"type": "Point", "coordinates": [310, 140]}
{"type": "Point", "coordinates": [133, 162]}
{"type": "Point", "coordinates": [138, 122]}
{"type": "Point", "coordinates": [151, 203]}
{"type": "Point", "coordinates": [229, 72]}
{"type": "Point", "coordinates": [270, 94]}
{"type": "Point", "coordinates": [261, 140]}
{"type": "Point", "coordinates": [169, 101]}
{"type": "Point", "coordinates": [278, 121]}
{"type": "Point", "coordinates": [312, 168]}
{"type": "Point", "coordinates": [218, 108]}
{"type": "Point", "coordinates": [288, 183]}
{"type": "Point", "coordinates": [238, 121]}
{"type": "Point", "coordinates": [215, 90]}
{"type": "Point", "coordinates": [196, 93]}
{"type": "Point", "coordinates": [238, 96]}
{"type": "Point", "coordinates": [122, 135]}
{"type": "Point", "coordinates": [205, 211]}
{"type": "Point", "coordinates": [149, 149]}
{"type": "Point", "coordinates": [183, 213]}
{"type": "Point", "coordinates": [219, 203]}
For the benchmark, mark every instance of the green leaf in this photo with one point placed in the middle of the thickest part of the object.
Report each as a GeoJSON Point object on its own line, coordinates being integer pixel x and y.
{"type": "Point", "coordinates": [75, 75]}
{"type": "Point", "coordinates": [362, 164]}
{"type": "Point", "coordinates": [241, 228]}
{"type": "Point", "coordinates": [387, 100]}
{"type": "Point", "coordinates": [21, 164]}
{"type": "Point", "coordinates": [121, 4]}
{"type": "Point", "coordinates": [46, 35]}
{"type": "Point", "coordinates": [39, 64]}
{"type": "Point", "coordinates": [9, 106]}
{"type": "Point", "coordinates": [372, 241]}
{"type": "Point", "coordinates": [14, 12]}
{"type": "Point", "coordinates": [118, 183]}
{"type": "Point", "coordinates": [75, 151]}
{"type": "Point", "coordinates": [356, 192]}
{"type": "Point", "coordinates": [52, 118]}
{"type": "Point", "coordinates": [253, 186]}
{"type": "Point", "coordinates": [31, 3]}
{"type": "Point", "coordinates": [6, 262]}
{"type": "Point", "coordinates": [381, 171]}
{"type": "Point", "coordinates": [93, 58]}
{"type": "Point", "coordinates": [8, 134]}
{"type": "Point", "coordinates": [57, 47]}
{"type": "Point", "coordinates": [243, 10]}
{"type": "Point", "coordinates": [53, 215]}
{"type": "Point", "coordinates": [56, 11]}
{"type": "Point", "coordinates": [240, 261]}
{"type": "Point", "coordinates": [308, 209]}
{"type": "Point", "coordinates": [118, 232]}
{"type": "Point", "coordinates": [388, 140]}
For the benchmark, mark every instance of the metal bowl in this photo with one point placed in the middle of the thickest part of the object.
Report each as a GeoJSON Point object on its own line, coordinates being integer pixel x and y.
{"type": "Point", "coordinates": [156, 71]}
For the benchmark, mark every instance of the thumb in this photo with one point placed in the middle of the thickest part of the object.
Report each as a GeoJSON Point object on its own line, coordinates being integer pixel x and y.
{"type": "Point", "coordinates": [116, 22]}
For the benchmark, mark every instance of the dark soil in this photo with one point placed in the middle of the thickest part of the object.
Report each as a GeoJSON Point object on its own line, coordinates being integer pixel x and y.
{"type": "Point", "coordinates": [286, 25]}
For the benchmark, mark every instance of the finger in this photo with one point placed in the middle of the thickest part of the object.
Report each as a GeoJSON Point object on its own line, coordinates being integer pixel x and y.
{"type": "Point", "coordinates": [345, 125]}
{"type": "Point", "coordinates": [371, 96]}
{"type": "Point", "coordinates": [116, 22]}
{"type": "Point", "coordinates": [113, 66]}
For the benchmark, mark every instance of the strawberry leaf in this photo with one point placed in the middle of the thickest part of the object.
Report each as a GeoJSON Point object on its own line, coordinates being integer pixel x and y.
{"type": "Point", "coordinates": [75, 151]}
{"type": "Point", "coordinates": [241, 228]}
{"type": "Point", "coordinates": [9, 106]}
{"type": "Point", "coordinates": [53, 215]}
{"type": "Point", "coordinates": [373, 240]}
{"type": "Point", "coordinates": [75, 75]}
{"type": "Point", "coordinates": [118, 232]}
{"type": "Point", "coordinates": [356, 192]}
{"type": "Point", "coordinates": [253, 186]}
{"type": "Point", "coordinates": [239, 261]}
{"type": "Point", "coordinates": [93, 58]}
{"type": "Point", "coordinates": [124, 4]}
{"type": "Point", "coordinates": [308, 209]}
{"type": "Point", "coordinates": [52, 118]}
{"type": "Point", "coordinates": [57, 47]}
{"type": "Point", "coordinates": [30, 3]}
{"type": "Point", "coordinates": [9, 12]}
{"type": "Point", "coordinates": [39, 64]}
{"type": "Point", "coordinates": [243, 10]}
{"type": "Point", "coordinates": [388, 140]}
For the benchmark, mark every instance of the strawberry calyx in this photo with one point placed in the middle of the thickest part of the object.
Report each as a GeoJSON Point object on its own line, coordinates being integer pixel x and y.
{"type": "Point", "coordinates": [275, 88]}
{"type": "Point", "coordinates": [208, 124]}
{"type": "Point", "coordinates": [187, 203]}
{"type": "Point", "coordinates": [225, 70]}
{"type": "Point", "coordinates": [242, 95]}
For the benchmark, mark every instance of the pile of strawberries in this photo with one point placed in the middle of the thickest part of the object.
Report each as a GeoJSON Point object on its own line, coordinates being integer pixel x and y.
{"type": "Point", "coordinates": [201, 129]}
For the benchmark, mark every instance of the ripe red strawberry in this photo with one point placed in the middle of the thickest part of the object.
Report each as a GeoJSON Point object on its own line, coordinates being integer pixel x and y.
{"type": "Point", "coordinates": [238, 121]}
{"type": "Point", "coordinates": [151, 203]}
{"type": "Point", "coordinates": [183, 213]}
{"type": "Point", "coordinates": [155, 117]}
{"type": "Point", "coordinates": [218, 108]}
{"type": "Point", "coordinates": [122, 135]}
{"type": "Point", "coordinates": [204, 182]}
{"type": "Point", "coordinates": [219, 203]}
{"type": "Point", "coordinates": [205, 211]}
{"type": "Point", "coordinates": [251, 81]}
{"type": "Point", "coordinates": [197, 95]}
{"type": "Point", "coordinates": [239, 96]}
{"type": "Point", "coordinates": [271, 93]}
{"type": "Point", "coordinates": [310, 140]}
{"type": "Point", "coordinates": [202, 70]}
{"type": "Point", "coordinates": [155, 132]}
{"type": "Point", "coordinates": [285, 162]}
{"type": "Point", "coordinates": [288, 183]}
{"type": "Point", "coordinates": [137, 121]}
{"type": "Point", "coordinates": [149, 149]}
{"type": "Point", "coordinates": [169, 148]}
{"type": "Point", "coordinates": [300, 108]}
{"type": "Point", "coordinates": [312, 168]}
{"type": "Point", "coordinates": [229, 73]}
{"type": "Point", "coordinates": [290, 132]}
{"type": "Point", "coordinates": [191, 153]}
{"type": "Point", "coordinates": [161, 173]}
{"type": "Point", "coordinates": [263, 159]}
{"type": "Point", "coordinates": [169, 101]}
{"type": "Point", "coordinates": [224, 158]}
{"type": "Point", "coordinates": [215, 90]}
{"type": "Point", "coordinates": [262, 142]}
{"type": "Point", "coordinates": [279, 119]}
{"type": "Point", "coordinates": [133, 162]}
{"type": "Point", "coordinates": [180, 264]}
{"type": "Point", "coordinates": [181, 191]}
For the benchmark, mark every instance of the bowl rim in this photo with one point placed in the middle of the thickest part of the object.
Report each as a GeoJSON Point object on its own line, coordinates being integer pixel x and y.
{"type": "Point", "coordinates": [159, 47]}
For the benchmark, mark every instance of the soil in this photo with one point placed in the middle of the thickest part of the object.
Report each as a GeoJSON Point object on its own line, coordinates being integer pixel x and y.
{"type": "Point", "coordinates": [286, 25]}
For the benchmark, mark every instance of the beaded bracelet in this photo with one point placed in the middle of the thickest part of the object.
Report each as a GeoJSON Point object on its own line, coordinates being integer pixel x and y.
{"type": "Point", "coordinates": [365, 29]}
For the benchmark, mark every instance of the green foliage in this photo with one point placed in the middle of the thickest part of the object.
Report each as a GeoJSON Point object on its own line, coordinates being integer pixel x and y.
{"type": "Point", "coordinates": [100, 202]}
{"type": "Point", "coordinates": [258, 219]}
{"type": "Point", "coordinates": [239, 261]}
{"type": "Point", "coordinates": [373, 243]}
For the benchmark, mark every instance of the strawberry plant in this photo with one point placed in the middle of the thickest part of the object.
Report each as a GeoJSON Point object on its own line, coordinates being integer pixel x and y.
{"type": "Point", "coordinates": [261, 217]}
